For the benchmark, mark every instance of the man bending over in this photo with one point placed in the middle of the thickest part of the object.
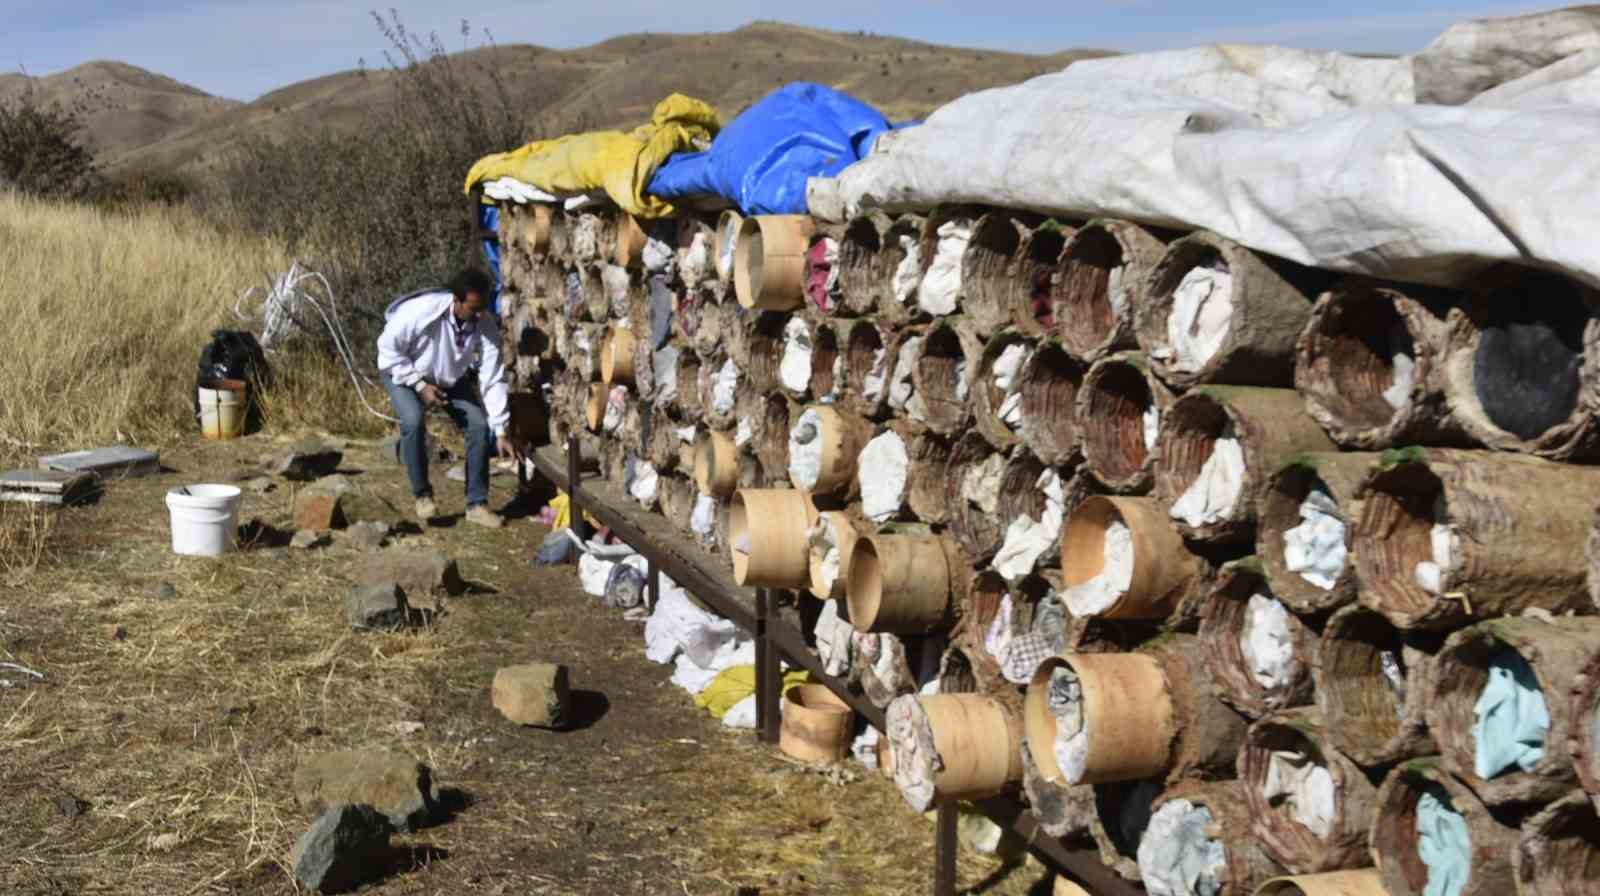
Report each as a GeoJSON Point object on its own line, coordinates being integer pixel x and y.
{"type": "Point", "coordinates": [440, 350]}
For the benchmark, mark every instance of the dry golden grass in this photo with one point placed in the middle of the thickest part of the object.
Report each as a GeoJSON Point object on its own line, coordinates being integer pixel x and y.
{"type": "Point", "coordinates": [105, 318]}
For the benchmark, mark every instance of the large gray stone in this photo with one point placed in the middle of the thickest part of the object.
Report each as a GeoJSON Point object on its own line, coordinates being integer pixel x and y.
{"type": "Point", "coordinates": [309, 460]}
{"type": "Point", "coordinates": [423, 575]}
{"type": "Point", "coordinates": [375, 607]}
{"type": "Point", "coordinates": [344, 848]}
{"type": "Point", "coordinates": [398, 786]}
{"type": "Point", "coordinates": [368, 535]}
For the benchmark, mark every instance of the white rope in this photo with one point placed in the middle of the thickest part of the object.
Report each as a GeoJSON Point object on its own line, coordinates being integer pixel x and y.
{"type": "Point", "coordinates": [283, 300]}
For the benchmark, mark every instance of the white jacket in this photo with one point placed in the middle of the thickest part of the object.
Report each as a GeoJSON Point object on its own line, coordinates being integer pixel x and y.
{"type": "Point", "coordinates": [417, 345]}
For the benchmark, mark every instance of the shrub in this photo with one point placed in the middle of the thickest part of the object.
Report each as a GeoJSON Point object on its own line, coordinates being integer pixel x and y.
{"type": "Point", "coordinates": [40, 153]}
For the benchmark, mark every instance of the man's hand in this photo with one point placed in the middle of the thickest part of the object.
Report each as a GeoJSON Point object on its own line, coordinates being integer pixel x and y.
{"type": "Point", "coordinates": [505, 449]}
{"type": "Point", "coordinates": [431, 394]}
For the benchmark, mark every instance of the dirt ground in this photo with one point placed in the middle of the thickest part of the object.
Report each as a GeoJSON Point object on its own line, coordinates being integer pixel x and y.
{"type": "Point", "coordinates": [155, 755]}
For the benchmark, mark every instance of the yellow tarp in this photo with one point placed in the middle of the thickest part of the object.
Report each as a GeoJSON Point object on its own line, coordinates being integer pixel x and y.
{"type": "Point", "coordinates": [563, 507]}
{"type": "Point", "coordinates": [736, 683]}
{"type": "Point", "coordinates": [621, 164]}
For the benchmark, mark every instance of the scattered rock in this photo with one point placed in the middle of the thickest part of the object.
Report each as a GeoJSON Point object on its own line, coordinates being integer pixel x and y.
{"type": "Point", "coordinates": [369, 535]}
{"type": "Point", "coordinates": [309, 460]}
{"type": "Point", "coordinates": [343, 849]}
{"type": "Point", "coordinates": [71, 806]}
{"type": "Point", "coordinates": [318, 510]}
{"type": "Point", "coordinates": [398, 786]}
{"type": "Point", "coordinates": [306, 539]}
{"type": "Point", "coordinates": [114, 632]}
{"type": "Point", "coordinates": [423, 575]}
{"type": "Point", "coordinates": [337, 485]}
{"type": "Point", "coordinates": [404, 729]}
{"type": "Point", "coordinates": [375, 608]}
{"type": "Point", "coordinates": [165, 591]}
{"type": "Point", "coordinates": [457, 473]}
{"type": "Point", "coordinates": [535, 694]}
{"type": "Point", "coordinates": [164, 842]}
{"type": "Point", "coordinates": [259, 485]}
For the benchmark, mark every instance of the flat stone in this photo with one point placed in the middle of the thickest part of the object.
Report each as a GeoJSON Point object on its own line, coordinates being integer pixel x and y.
{"type": "Point", "coordinates": [536, 694]}
{"type": "Point", "coordinates": [376, 608]}
{"type": "Point", "coordinates": [259, 485]}
{"type": "Point", "coordinates": [424, 575]}
{"type": "Point", "coordinates": [337, 485]}
{"type": "Point", "coordinates": [165, 591]}
{"type": "Point", "coordinates": [306, 539]}
{"type": "Point", "coordinates": [309, 460]}
{"type": "Point", "coordinates": [343, 849]}
{"type": "Point", "coordinates": [368, 535]}
{"type": "Point", "coordinates": [399, 787]}
{"type": "Point", "coordinates": [318, 510]}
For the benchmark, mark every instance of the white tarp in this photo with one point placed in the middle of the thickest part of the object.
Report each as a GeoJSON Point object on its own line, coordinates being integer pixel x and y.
{"type": "Point", "coordinates": [1322, 158]}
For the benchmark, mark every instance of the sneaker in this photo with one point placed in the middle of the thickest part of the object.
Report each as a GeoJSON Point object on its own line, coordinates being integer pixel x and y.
{"type": "Point", "coordinates": [485, 517]}
{"type": "Point", "coordinates": [426, 511]}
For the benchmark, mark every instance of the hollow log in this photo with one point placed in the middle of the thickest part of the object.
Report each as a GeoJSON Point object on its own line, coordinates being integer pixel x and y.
{"type": "Point", "coordinates": [990, 268]}
{"type": "Point", "coordinates": [761, 342]}
{"type": "Point", "coordinates": [883, 473]}
{"type": "Point", "coordinates": [1032, 299]}
{"type": "Point", "coordinates": [684, 395]}
{"type": "Point", "coordinates": [1306, 514]}
{"type": "Point", "coordinates": [561, 225]}
{"type": "Point", "coordinates": [953, 746]}
{"type": "Point", "coordinates": [869, 359]}
{"type": "Point", "coordinates": [1216, 447]}
{"type": "Point", "coordinates": [944, 374]}
{"type": "Point", "coordinates": [925, 490]}
{"type": "Point", "coordinates": [1312, 804]}
{"type": "Point", "coordinates": [972, 489]}
{"type": "Point", "coordinates": [769, 261]}
{"type": "Point", "coordinates": [830, 543]}
{"type": "Point", "coordinates": [1370, 364]}
{"type": "Point", "coordinates": [1554, 651]}
{"type": "Point", "coordinates": [903, 264]}
{"type": "Point", "coordinates": [1262, 653]}
{"type": "Point", "coordinates": [794, 357]}
{"type": "Point", "coordinates": [899, 584]}
{"type": "Point", "coordinates": [1123, 558]}
{"type": "Point", "coordinates": [1360, 882]}
{"type": "Point", "coordinates": [823, 447]}
{"type": "Point", "coordinates": [720, 382]}
{"type": "Point", "coordinates": [1447, 535]}
{"type": "Point", "coordinates": [1034, 502]}
{"type": "Point", "coordinates": [1558, 852]}
{"type": "Point", "coordinates": [1522, 365]}
{"type": "Point", "coordinates": [1395, 833]}
{"type": "Point", "coordinates": [1119, 411]}
{"type": "Point", "coordinates": [667, 441]}
{"type": "Point", "coordinates": [771, 438]}
{"type": "Point", "coordinates": [1221, 805]}
{"type": "Point", "coordinates": [644, 370]}
{"type": "Point", "coordinates": [1049, 384]}
{"type": "Point", "coordinates": [1122, 812]}
{"type": "Point", "coordinates": [767, 538]}
{"type": "Point", "coordinates": [1103, 271]}
{"type": "Point", "coordinates": [676, 496]}
{"type": "Point", "coordinates": [1064, 811]}
{"type": "Point", "coordinates": [827, 361]}
{"type": "Point", "coordinates": [865, 268]}
{"type": "Point", "coordinates": [1215, 312]}
{"type": "Point", "coordinates": [996, 399]}
{"type": "Point", "coordinates": [1583, 738]}
{"type": "Point", "coordinates": [880, 668]}
{"type": "Point", "coordinates": [1372, 681]}
{"type": "Point", "coordinates": [591, 284]}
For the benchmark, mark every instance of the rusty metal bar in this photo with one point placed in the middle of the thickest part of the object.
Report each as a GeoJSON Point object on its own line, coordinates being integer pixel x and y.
{"type": "Point", "coordinates": [944, 850]}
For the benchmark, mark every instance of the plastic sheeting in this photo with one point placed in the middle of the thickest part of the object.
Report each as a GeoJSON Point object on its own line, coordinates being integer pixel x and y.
{"type": "Point", "coordinates": [1443, 843]}
{"type": "Point", "coordinates": [1267, 643]}
{"type": "Point", "coordinates": [1006, 367]}
{"type": "Point", "coordinates": [762, 159]}
{"type": "Point", "coordinates": [723, 389]}
{"type": "Point", "coordinates": [1441, 541]}
{"type": "Point", "coordinates": [621, 164]}
{"type": "Point", "coordinates": [1302, 786]}
{"type": "Point", "coordinates": [1315, 549]}
{"type": "Point", "coordinates": [1213, 494]}
{"type": "Point", "coordinates": [1101, 593]}
{"type": "Point", "coordinates": [1177, 856]}
{"type": "Point", "coordinates": [908, 273]}
{"type": "Point", "coordinates": [883, 467]}
{"type": "Point", "coordinates": [1512, 719]}
{"type": "Point", "coordinates": [1071, 746]}
{"type": "Point", "coordinates": [794, 368]}
{"type": "Point", "coordinates": [902, 390]}
{"type": "Point", "coordinates": [1027, 539]}
{"type": "Point", "coordinates": [940, 290]}
{"type": "Point", "coordinates": [805, 450]}
{"type": "Point", "coordinates": [833, 639]}
{"type": "Point", "coordinates": [1197, 326]}
{"type": "Point", "coordinates": [1240, 140]}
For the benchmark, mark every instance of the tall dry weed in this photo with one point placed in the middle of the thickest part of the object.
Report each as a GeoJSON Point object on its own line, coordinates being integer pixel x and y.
{"type": "Point", "coordinates": [24, 540]}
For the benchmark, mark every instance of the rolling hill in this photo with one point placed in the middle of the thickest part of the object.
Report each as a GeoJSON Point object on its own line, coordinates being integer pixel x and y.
{"type": "Point", "coordinates": [142, 121]}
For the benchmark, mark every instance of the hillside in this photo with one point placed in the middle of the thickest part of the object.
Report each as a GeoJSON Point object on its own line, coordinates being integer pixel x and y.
{"type": "Point", "coordinates": [616, 82]}
{"type": "Point", "coordinates": [124, 108]}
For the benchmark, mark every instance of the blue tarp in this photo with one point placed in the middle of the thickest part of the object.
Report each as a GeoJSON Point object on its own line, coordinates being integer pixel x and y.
{"type": "Point", "coordinates": [489, 221]}
{"type": "Point", "coordinates": [761, 160]}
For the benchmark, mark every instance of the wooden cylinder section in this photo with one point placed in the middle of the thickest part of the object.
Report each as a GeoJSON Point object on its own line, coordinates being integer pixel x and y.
{"type": "Point", "coordinates": [536, 229]}
{"type": "Point", "coordinates": [953, 747]}
{"type": "Point", "coordinates": [869, 358]}
{"type": "Point", "coordinates": [1306, 514]}
{"type": "Point", "coordinates": [594, 408]}
{"type": "Point", "coordinates": [1102, 278]}
{"type": "Point", "coordinates": [716, 464]}
{"type": "Point", "coordinates": [989, 269]}
{"type": "Point", "coordinates": [1122, 558]}
{"type": "Point", "coordinates": [1225, 861]}
{"type": "Point", "coordinates": [1120, 406]}
{"type": "Point", "coordinates": [1215, 312]}
{"type": "Point", "coordinates": [830, 545]}
{"type": "Point", "coordinates": [944, 373]}
{"type": "Point", "coordinates": [972, 483]}
{"type": "Point", "coordinates": [616, 356]}
{"type": "Point", "coordinates": [1446, 536]}
{"type": "Point", "coordinates": [769, 261]}
{"type": "Point", "coordinates": [1430, 833]}
{"type": "Point", "coordinates": [899, 584]}
{"type": "Point", "coordinates": [1370, 365]}
{"type": "Point", "coordinates": [817, 726]}
{"type": "Point", "coordinates": [1063, 810]}
{"type": "Point", "coordinates": [824, 444]}
{"type": "Point", "coordinates": [1312, 805]}
{"type": "Point", "coordinates": [1501, 711]}
{"type": "Point", "coordinates": [996, 398]}
{"type": "Point", "coordinates": [1363, 882]}
{"type": "Point", "coordinates": [1261, 652]}
{"type": "Point", "coordinates": [1048, 384]}
{"type": "Point", "coordinates": [628, 250]}
{"type": "Point", "coordinates": [767, 534]}
{"type": "Point", "coordinates": [1522, 366]}
{"type": "Point", "coordinates": [1098, 718]}
{"type": "Point", "coordinates": [1558, 853]}
{"type": "Point", "coordinates": [1374, 679]}
{"type": "Point", "coordinates": [1218, 444]}
{"type": "Point", "coordinates": [1033, 301]}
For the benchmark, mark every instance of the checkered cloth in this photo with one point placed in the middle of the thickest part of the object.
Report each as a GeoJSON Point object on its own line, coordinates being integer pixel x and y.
{"type": "Point", "coordinates": [1048, 637]}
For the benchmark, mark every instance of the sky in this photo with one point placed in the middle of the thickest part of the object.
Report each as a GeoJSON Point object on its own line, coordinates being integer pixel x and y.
{"type": "Point", "coordinates": [243, 48]}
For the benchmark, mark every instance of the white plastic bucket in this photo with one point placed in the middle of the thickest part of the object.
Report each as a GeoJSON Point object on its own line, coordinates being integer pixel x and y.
{"type": "Point", "coordinates": [204, 519]}
{"type": "Point", "coordinates": [222, 409]}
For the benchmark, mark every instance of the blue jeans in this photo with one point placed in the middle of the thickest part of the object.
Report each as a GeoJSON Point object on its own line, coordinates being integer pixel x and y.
{"type": "Point", "coordinates": [466, 409]}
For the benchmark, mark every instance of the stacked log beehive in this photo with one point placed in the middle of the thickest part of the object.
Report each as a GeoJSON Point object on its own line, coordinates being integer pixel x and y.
{"type": "Point", "coordinates": [1192, 539]}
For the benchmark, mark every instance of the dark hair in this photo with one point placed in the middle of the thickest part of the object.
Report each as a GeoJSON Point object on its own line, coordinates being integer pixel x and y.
{"type": "Point", "coordinates": [472, 280]}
